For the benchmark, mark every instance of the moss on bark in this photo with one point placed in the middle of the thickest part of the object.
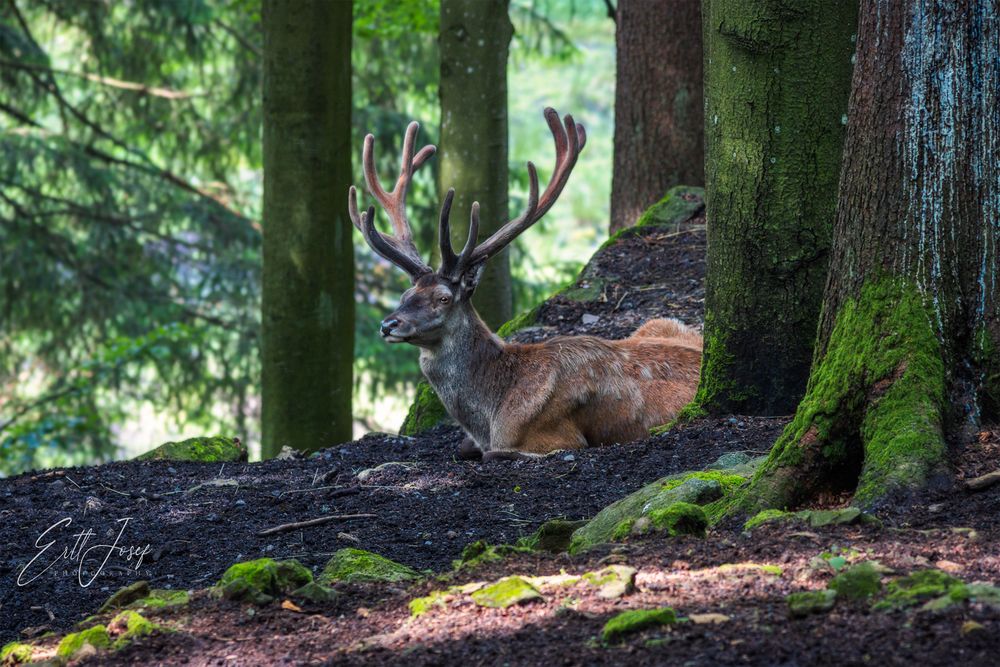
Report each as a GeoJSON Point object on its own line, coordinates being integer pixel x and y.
{"type": "Point", "coordinates": [872, 415]}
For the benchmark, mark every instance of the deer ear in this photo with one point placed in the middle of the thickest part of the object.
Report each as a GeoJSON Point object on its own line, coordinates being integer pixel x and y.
{"type": "Point", "coordinates": [470, 280]}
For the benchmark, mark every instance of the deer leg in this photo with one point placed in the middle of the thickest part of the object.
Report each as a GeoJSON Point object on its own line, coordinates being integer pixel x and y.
{"type": "Point", "coordinates": [468, 450]}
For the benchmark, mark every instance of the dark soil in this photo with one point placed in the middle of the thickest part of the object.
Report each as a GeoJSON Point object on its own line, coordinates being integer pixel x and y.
{"type": "Point", "coordinates": [428, 506]}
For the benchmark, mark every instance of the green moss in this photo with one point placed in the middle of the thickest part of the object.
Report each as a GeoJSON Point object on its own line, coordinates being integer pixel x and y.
{"type": "Point", "coordinates": [315, 592]}
{"type": "Point", "coordinates": [727, 481]}
{"type": "Point", "coordinates": [425, 413]}
{"type": "Point", "coordinates": [96, 636]}
{"type": "Point", "coordinates": [125, 596]}
{"type": "Point", "coordinates": [680, 519]}
{"type": "Point", "coordinates": [810, 602]}
{"type": "Point", "coordinates": [876, 395]}
{"type": "Point", "coordinates": [636, 620]}
{"type": "Point", "coordinates": [260, 581]}
{"type": "Point", "coordinates": [479, 552]}
{"type": "Point", "coordinates": [858, 582]}
{"type": "Point", "coordinates": [585, 289]}
{"type": "Point", "coordinates": [613, 581]}
{"type": "Point", "coordinates": [674, 209]}
{"type": "Point", "coordinates": [16, 652]}
{"type": "Point", "coordinates": [358, 565]}
{"type": "Point", "coordinates": [134, 626]}
{"type": "Point", "coordinates": [522, 321]}
{"type": "Point", "coordinates": [422, 605]}
{"type": "Point", "coordinates": [921, 586]}
{"type": "Point", "coordinates": [622, 530]}
{"type": "Point", "coordinates": [161, 597]}
{"type": "Point", "coordinates": [205, 450]}
{"type": "Point", "coordinates": [766, 568]}
{"type": "Point", "coordinates": [505, 593]}
{"type": "Point", "coordinates": [764, 516]}
{"type": "Point", "coordinates": [552, 536]}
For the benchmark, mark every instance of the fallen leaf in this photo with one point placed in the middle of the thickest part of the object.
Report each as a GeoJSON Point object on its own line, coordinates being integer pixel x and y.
{"type": "Point", "coordinates": [290, 606]}
{"type": "Point", "coordinates": [363, 612]}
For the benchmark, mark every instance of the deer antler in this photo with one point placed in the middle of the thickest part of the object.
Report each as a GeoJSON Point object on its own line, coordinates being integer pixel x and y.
{"type": "Point", "coordinates": [398, 249]}
{"type": "Point", "coordinates": [570, 139]}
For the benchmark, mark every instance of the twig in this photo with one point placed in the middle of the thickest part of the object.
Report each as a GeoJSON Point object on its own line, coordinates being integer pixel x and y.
{"type": "Point", "coordinates": [349, 491]}
{"type": "Point", "coordinates": [285, 527]}
{"type": "Point", "coordinates": [105, 80]}
{"type": "Point", "coordinates": [983, 482]}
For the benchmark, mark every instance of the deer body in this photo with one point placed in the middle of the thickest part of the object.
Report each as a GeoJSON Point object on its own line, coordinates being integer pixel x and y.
{"type": "Point", "coordinates": [521, 399]}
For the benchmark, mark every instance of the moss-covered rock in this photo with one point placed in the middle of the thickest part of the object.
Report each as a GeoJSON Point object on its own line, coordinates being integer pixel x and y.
{"type": "Point", "coordinates": [425, 412]}
{"type": "Point", "coordinates": [553, 536]}
{"type": "Point", "coordinates": [125, 596]}
{"type": "Point", "coordinates": [161, 597]}
{"type": "Point", "coordinates": [96, 636]}
{"type": "Point", "coordinates": [205, 450]}
{"type": "Point", "coordinates": [506, 592]}
{"type": "Point", "coordinates": [358, 565]}
{"type": "Point", "coordinates": [858, 582]}
{"type": "Point", "coordinates": [629, 622]}
{"type": "Point", "coordinates": [479, 552]}
{"type": "Point", "coordinates": [129, 625]}
{"type": "Point", "coordinates": [625, 516]}
{"type": "Point", "coordinates": [260, 581]}
{"type": "Point", "coordinates": [613, 581]}
{"type": "Point", "coordinates": [814, 518]}
{"type": "Point", "coordinates": [920, 587]}
{"type": "Point", "coordinates": [315, 592]}
{"type": "Point", "coordinates": [767, 516]}
{"type": "Point", "coordinates": [16, 653]}
{"type": "Point", "coordinates": [810, 602]}
{"type": "Point", "coordinates": [680, 204]}
{"type": "Point", "coordinates": [422, 605]}
{"type": "Point", "coordinates": [765, 568]}
{"type": "Point", "coordinates": [680, 519]}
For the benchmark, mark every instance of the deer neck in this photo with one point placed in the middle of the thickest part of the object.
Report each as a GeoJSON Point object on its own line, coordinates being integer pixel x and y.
{"type": "Point", "coordinates": [467, 372]}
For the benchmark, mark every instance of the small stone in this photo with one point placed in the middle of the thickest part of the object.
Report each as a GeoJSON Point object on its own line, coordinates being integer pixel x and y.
{"type": "Point", "coordinates": [569, 457]}
{"type": "Point", "coordinates": [240, 502]}
{"type": "Point", "coordinates": [810, 602]}
{"type": "Point", "coordinates": [935, 508]}
{"type": "Point", "coordinates": [505, 593]}
{"type": "Point", "coordinates": [286, 454]}
{"type": "Point", "coordinates": [708, 619]}
{"type": "Point", "coordinates": [171, 470]}
{"type": "Point", "coordinates": [451, 534]}
{"type": "Point", "coordinates": [629, 622]}
{"type": "Point", "coordinates": [587, 318]}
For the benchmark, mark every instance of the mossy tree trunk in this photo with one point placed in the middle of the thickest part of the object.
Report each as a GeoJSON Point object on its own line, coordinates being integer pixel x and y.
{"type": "Point", "coordinates": [474, 43]}
{"type": "Point", "coordinates": [308, 281]}
{"type": "Point", "coordinates": [777, 80]}
{"type": "Point", "coordinates": [659, 127]}
{"type": "Point", "coordinates": [906, 358]}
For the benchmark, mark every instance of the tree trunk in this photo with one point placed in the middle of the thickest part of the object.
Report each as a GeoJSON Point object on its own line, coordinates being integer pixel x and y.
{"type": "Point", "coordinates": [906, 358]}
{"type": "Point", "coordinates": [308, 281]}
{"type": "Point", "coordinates": [659, 125]}
{"type": "Point", "coordinates": [475, 36]}
{"type": "Point", "coordinates": [777, 80]}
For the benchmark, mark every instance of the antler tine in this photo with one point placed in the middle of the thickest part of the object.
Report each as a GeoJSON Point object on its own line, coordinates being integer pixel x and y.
{"type": "Point", "coordinates": [470, 242]}
{"type": "Point", "coordinates": [570, 139]}
{"type": "Point", "coordinates": [448, 257]}
{"type": "Point", "coordinates": [398, 249]}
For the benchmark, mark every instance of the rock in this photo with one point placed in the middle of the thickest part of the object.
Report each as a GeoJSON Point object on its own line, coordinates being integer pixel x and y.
{"type": "Point", "coordinates": [129, 625]}
{"type": "Point", "coordinates": [357, 565]}
{"type": "Point", "coordinates": [15, 653]}
{"type": "Point", "coordinates": [506, 592]}
{"type": "Point", "coordinates": [260, 581]}
{"type": "Point", "coordinates": [587, 318]}
{"type": "Point", "coordinates": [315, 592]}
{"type": "Point", "coordinates": [819, 518]}
{"type": "Point", "coordinates": [810, 602]}
{"type": "Point", "coordinates": [125, 596]}
{"type": "Point", "coordinates": [614, 581]}
{"type": "Point", "coordinates": [815, 518]}
{"type": "Point", "coordinates": [935, 588]}
{"type": "Point", "coordinates": [553, 535]}
{"type": "Point", "coordinates": [730, 460]}
{"type": "Point", "coordinates": [616, 521]}
{"type": "Point", "coordinates": [206, 450]}
{"type": "Point", "coordinates": [680, 519]}
{"type": "Point", "coordinates": [629, 622]}
{"type": "Point", "coordinates": [287, 454]}
{"type": "Point", "coordinates": [858, 582]}
{"type": "Point", "coordinates": [72, 644]}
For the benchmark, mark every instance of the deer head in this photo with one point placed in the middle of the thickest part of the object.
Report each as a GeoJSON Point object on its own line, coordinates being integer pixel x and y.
{"type": "Point", "coordinates": [440, 300]}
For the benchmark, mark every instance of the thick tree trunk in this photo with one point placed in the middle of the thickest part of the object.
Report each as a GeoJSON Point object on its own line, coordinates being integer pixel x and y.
{"type": "Point", "coordinates": [777, 79]}
{"type": "Point", "coordinates": [906, 358]}
{"type": "Point", "coordinates": [308, 282]}
{"type": "Point", "coordinates": [475, 36]}
{"type": "Point", "coordinates": [659, 126]}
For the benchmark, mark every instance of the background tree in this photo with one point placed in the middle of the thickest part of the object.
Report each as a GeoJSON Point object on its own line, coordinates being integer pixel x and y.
{"type": "Point", "coordinates": [475, 37]}
{"type": "Point", "coordinates": [907, 349]}
{"type": "Point", "coordinates": [308, 281]}
{"type": "Point", "coordinates": [659, 126]}
{"type": "Point", "coordinates": [777, 80]}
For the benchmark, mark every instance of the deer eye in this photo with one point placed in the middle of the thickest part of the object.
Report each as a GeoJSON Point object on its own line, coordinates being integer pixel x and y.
{"type": "Point", "coordinates": [444, 299]}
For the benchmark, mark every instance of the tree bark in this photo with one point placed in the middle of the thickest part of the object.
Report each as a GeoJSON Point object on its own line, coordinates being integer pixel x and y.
{"type": "Point", "coordinates": [308, 280]}
{"type": "Point", "coordinates": [475, 38]}
{"type": "Point", "coordinates": [906, 358]}
{"type": "Point", "coordinates": [659, 119]}
{"type": "Point", "coordinates": [777, 80]}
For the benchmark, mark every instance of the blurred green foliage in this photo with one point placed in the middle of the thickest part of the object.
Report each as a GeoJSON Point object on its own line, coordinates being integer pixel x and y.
{"type": "Point", "coordinates": [130, 182]}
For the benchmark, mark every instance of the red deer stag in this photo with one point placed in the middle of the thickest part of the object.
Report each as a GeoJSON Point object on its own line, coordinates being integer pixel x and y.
{"type": "Point", "coordinates": [521, 399]}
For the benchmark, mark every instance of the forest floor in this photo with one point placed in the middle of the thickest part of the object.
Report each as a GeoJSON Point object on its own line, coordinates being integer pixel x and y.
{"type": "Point", "coordinates": [421, 507]}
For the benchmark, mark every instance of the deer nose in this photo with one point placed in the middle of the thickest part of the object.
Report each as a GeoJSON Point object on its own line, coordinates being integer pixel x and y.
{"type": "Point", "coordinates": [388, 325]}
